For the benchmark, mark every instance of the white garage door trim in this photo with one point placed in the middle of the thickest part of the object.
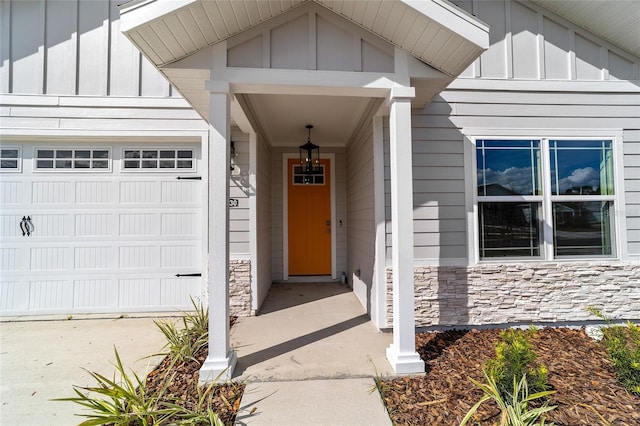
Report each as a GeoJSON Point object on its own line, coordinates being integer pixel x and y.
{"type": "Point", "coordinates": [101, 240]}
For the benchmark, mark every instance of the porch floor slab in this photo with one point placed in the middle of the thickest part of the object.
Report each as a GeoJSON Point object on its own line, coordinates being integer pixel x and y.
{"type": "Point", "coordinates": [309, 331]}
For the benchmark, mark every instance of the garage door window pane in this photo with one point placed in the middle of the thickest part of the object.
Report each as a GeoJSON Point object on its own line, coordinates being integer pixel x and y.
{"type": "Point", "coordinates": [146, 164]}
{"type": "Point", "coordinates": [185, 164]}
{"type": "Point", "coordinates": [167, 164]}
{"type": "Point", "coordinates": [131, 164]}
{"type": "Point", "coordinates": [10, 159]}
{"type": "Point", "coordinates": [72, 159]}
{"type": "Point", "coordinates": [149, 154]}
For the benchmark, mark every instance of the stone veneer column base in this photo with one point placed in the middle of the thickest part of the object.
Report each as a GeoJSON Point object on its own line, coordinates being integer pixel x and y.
{"type": "Point", "coordinates": [240, 288]}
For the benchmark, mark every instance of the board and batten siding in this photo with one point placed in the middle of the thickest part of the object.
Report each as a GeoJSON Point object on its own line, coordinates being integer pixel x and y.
{"type": "Point", "coordinates": [529, 42]}
{"type": "Point", "coordinates": [361, 226]}
{"type": "Point", "coordinates": [72, 47]}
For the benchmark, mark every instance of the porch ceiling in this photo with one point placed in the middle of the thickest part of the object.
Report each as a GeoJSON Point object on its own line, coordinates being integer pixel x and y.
{"type": "Point", "coordinates": [436, 32]}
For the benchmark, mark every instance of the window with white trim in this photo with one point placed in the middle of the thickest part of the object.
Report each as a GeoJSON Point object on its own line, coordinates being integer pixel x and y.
{"type": "Point", "coordinates": [83, 159]}
{"type": "Point", "coordinates": [545, 198]}
{"type": "Point", "coordinates": [10, 159]}
{"type": "Point", "coordinates": [162, 159]}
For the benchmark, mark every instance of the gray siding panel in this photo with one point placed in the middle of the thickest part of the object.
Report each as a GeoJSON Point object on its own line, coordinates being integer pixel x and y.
{"type": "Point", "coordinates": [263, 226]}
{"type": "Point", "coordinates": [361, 228]}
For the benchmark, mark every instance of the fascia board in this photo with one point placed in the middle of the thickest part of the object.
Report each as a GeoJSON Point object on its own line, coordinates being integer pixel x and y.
{"type": "Point", "coordinates": [461, 23]}
{"type": "Point", "coordinates": [137, 13]}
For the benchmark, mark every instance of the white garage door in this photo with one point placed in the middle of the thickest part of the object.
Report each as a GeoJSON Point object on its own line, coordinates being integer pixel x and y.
{"type": "Point", "coordinates": [94, 227]}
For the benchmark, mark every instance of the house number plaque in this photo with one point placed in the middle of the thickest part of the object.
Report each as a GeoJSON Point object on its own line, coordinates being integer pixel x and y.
{"type": "Point", "coordinates": [233, 202]}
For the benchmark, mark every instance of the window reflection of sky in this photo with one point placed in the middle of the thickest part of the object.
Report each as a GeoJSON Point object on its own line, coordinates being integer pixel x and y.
{"type": "Point", "coordinates": [508, 167]}
{"type": "Point", "coordinates": [577, 166]}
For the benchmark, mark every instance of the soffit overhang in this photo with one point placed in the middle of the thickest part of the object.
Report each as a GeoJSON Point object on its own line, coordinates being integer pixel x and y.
{"type": "Point", "coordinates": [434, 31]}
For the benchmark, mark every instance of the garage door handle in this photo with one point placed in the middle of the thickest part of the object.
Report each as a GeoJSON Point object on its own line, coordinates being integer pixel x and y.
{"type": "Point", "coordinates": [188, 275]}
{"type": "Point", "coordinates": [29, 226]}
{"type": "Point", "coordinates": [189, 178]}
{"type": "Point", "coordinates": [23, 223]}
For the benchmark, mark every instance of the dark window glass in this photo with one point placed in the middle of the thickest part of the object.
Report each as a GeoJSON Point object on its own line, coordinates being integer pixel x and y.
{"type": "Point", "coordinates": [9, 153]}
{"type": "Point", "coordinates": [83, 154]}
{"type": "Point", "coordinates": [582, 228]}
{"type": "Point", "coordinates": [149, 164]}
{"type": "Point", "coordinates": [64, 153]}
{"type": "Point", "coordinates": [132, 154]}
{"type": "Point", "coordinates": [63, 164]}
{"type": "Point", "coordinates": [149, 154]}
{"type": "Point", "coordinates": [45, 153]}
{"type": "Point", "coordinates": [100, 154]}
{"type": "Point", "coordinates": [167, 164]}
{"type": "Point", "coordinates": [298, 179]}
{"type": "Point", "coordinates": [131, 164]}
{"type": "Point", "coordinates": [82, 164]}
{"type": "Point", "coordinates": [100, 164]}
{"type": "Point", "coordinates": [44, 164]}
{"type": "Point", "coordinates": [185, 154]}
{"type": "Point", "coordinates": [185, 164]}
{"type": "Point", "coordinates": [167, 154]}
{"type": "Point", "coordinates": [8, 164]}
{"type": "Point", "coordinates": [509, 230]}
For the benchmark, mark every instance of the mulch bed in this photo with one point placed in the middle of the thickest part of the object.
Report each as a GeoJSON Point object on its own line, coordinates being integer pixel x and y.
{"type": "Point", "coordinates": [183, 388]}
{"type": "Point", "coordinates": [587, 391]}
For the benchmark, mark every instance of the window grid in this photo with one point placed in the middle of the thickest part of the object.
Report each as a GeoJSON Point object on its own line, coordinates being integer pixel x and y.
{"type": "Point", "coordinates": [548, 240]}
{"type": "Point", "coordinates": [70, 159]}
{"type": "Point", "coordinates": [302, 178]}
{"type": "Point", "coordinates": [158, 159]}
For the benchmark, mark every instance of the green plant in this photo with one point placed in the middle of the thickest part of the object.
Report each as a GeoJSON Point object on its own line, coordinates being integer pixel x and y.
{"type": "Point", "coordinates": [516, 358]}
{"type": "Point", "coordinates": [622, 343]}
{"type": "Point", "coordinates": [121, 402]}
{"type": "Point", "coordinates": [514, 406]}
{"type": "Point", "coordinates": [184, 342]}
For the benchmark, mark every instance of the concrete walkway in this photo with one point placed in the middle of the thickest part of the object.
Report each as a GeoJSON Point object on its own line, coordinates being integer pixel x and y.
{"type": "Point", "coordinates": [309, 358]}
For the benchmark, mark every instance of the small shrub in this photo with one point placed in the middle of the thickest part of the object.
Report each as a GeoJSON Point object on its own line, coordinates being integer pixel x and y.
{"type": "Point", "coordinates": [623, 346]}
{"type": "Point", "coordinates": [514, 405]}
{"type": "Point", "coordinates": [515, 358]}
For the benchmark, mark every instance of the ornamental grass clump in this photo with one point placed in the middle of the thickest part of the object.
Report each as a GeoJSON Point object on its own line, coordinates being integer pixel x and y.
{"type": "Point", "coordinates": [185, 341]}
{"type": "Point", "coordinates": [514, 405]}
{"type": "Point", "coordinates": [124, 401]}
{"type": "Point", "coordinates": [515, 358]}
{"type": "Point", "coordinates": [622, 343]}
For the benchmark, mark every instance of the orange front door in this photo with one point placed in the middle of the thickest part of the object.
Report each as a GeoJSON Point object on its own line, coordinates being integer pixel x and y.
{"type": "Point", "coordinates": [309, 213]}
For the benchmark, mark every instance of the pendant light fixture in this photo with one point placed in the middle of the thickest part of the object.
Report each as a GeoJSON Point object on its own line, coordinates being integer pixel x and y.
{"type": "Point", "coordinates": [310, 156]}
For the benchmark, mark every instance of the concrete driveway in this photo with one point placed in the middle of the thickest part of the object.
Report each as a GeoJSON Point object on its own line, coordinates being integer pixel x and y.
{"type": "Point", "coordinates": [41, 359]}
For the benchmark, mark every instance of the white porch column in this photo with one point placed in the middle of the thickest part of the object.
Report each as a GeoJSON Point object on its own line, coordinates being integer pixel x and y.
{"type": "Point", "coordinates": [221, 359]}
{"type": "Point", "coordinates": [402, 353]}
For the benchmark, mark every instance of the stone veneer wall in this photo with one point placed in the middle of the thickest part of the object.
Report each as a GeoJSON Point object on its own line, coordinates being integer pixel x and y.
{"type": "Point", "coordinates": [521, 293]}
{"type": "Point", "coordinates": [240, 288]}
